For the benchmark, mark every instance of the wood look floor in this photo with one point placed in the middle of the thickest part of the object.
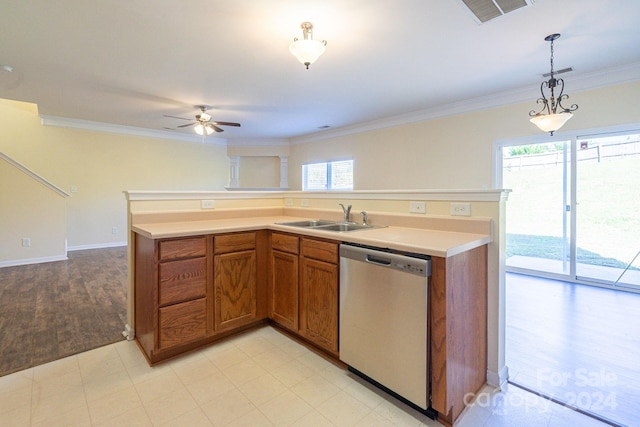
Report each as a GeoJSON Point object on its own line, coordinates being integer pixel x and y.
{"type": "Point", "coordinates": [578, 344]}
{"type": "Point", "coordinates": [56, 309]}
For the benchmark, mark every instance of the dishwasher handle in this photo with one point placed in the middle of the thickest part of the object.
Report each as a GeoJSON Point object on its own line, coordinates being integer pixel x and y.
{"type": "Point", "coordinates": [386, 262]}
{"type": "Point", "coordinates": [417, 265]}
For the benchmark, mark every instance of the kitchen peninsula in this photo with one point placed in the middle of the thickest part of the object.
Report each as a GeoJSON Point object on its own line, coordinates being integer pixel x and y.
{"type": "Point", "coordinates": [200, 276]}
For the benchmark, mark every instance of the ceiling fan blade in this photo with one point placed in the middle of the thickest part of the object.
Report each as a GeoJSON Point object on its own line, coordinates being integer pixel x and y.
{"type": "Point", "coordinates": [188, 124]}
{"type": "Point", "coordinates": [227, 123]}
{"type": "Point", "coordinates": [176, 117]}
{"type": "Point", "coordinates": [214, 127]}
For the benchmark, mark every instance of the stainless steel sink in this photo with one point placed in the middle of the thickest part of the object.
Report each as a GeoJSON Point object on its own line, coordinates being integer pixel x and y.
{"type": "Point", "coordinates": [327, 225]}
{"type": "Point", "coordinates": [309, 223]}
{"type": "Point", "coordinates": [341, 227]}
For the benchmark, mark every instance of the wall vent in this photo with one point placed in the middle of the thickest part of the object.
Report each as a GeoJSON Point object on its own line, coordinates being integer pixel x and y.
{"type": "Point", "coordinates": [485, 10]}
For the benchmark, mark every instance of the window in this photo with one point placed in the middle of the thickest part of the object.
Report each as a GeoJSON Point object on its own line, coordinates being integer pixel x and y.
{"type": "Point", "coordinates": [328, 176]}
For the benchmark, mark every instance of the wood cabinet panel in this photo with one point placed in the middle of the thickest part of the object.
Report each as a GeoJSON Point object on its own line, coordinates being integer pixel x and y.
{"type": "Point", "coordinates": [182, 248]}
{"type": "Point", "coordinates": [182, 280]}
{"type": "Point", "coordinates": [319, 303]}
{"type": "Point", "coordinates": [285, 243]}
{"type": "Point", "coordinates": [235, 289]}
{"type": "Point", "coordinates": [182, 323]}
{"type": "Point", "coordinates": [320, 249]}
{"type": "Point", "coordinates": [234, 242]}
{"type": "Point", "coordinates": [458, 307]}
{"type": "Point", "coordinates": [284, 294]}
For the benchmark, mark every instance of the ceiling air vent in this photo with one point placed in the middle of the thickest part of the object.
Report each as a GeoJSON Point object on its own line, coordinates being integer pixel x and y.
{"type": "Point", "coordinates": [485, 10]}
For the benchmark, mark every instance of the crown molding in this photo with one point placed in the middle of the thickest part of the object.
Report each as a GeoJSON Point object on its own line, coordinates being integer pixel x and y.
{"type": "Point", "coordinates": [65, 122]}
{"type": "Point", "coordinates": [588, 81]}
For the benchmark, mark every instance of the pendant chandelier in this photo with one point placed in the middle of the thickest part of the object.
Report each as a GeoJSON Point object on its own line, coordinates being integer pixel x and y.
{"type": "Point", "coordinates": [553, 114]}
{"type": "Point", "coordinates": [307, 50]}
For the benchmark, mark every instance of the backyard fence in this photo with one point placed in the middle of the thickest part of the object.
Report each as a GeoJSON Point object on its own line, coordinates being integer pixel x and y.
{"type": "Point", "coordinates": [586, 152]}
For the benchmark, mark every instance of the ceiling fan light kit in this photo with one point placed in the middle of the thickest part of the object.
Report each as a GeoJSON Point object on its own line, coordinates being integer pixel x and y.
{"type": "Point", "coordinates": [202, 129]}
{"type": "Point", "coordinates": [204, 124]}
{"type": "Point", "coordinates": [551, 118]}
{"type": "Point", "coordinates": [307, 50]}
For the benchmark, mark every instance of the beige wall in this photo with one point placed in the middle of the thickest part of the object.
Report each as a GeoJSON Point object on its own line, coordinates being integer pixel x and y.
{"type": "Point", "coordinates": [259, 172]}
{"type": "Point", "coordinates": [453, 152]}
{"type": "Point", "coordinates": [102, 166]}
{"type": "Point", "coordinates": [30, 209]}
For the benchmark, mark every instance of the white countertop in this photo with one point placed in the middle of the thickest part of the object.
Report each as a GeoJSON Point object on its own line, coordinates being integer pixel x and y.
{"type": "Point", "coordinates": [430, 242]}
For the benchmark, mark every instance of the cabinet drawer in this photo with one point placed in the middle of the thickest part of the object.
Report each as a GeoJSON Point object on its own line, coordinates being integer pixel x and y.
{"type": "Point", "coordinates": [182, 248]}
{"type": "Point", "coordinates": [182, 280]}
{"type": "Point", "coordinates": [320, 250]}
{"type": "Point", "coordinates": [181, 323]}
{"type": "Point", "coordinates": [285, 243]}
{"type": "Point", "coordinates": [234, 242]}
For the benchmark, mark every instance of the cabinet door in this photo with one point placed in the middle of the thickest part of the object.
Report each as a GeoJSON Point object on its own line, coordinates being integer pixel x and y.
{"type": "Point", "coordinates": [235, 289]}
{"type": "Point", "coordinates": [319, 303]}
{"type": "Point", "coordinates": [284, 293]}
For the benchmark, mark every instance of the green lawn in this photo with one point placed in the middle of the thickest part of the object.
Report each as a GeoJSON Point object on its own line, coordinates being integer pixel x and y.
{"type": "Point", "coordinates": [608, 211]}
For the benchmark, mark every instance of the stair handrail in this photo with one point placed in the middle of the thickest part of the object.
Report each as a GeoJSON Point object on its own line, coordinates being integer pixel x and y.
{"type": "Point", "coordinates": [34, 175]}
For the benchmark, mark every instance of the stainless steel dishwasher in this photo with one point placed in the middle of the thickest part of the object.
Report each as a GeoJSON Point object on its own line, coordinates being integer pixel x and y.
{"type": "Point", "coordinates": [383, 320]}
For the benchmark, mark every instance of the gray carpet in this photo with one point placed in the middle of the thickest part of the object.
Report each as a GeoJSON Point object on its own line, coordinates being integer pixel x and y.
{"type": "Point", "coordinates": [56, 309]}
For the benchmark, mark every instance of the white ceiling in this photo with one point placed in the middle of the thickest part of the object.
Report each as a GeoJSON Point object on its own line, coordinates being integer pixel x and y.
{"type": "Point", "coordinates": [130, 62]}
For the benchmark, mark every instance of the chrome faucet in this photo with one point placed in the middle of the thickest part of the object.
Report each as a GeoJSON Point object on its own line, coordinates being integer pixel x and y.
{"type": "Point", "coordinates": [346, 211]}
{"type": "Point", "coordinates": [364, 218]}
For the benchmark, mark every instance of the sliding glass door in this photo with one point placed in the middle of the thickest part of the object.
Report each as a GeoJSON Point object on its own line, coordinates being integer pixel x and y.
{"type": "Point", "coordinates": [574, 209]}
{"type": "Point", "coordinates": [538, 229]}
{"type": "Point", "coordinates": [608, 208]}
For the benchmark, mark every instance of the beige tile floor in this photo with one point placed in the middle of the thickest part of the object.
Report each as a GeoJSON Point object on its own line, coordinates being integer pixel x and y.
{"type": "Point", "coordinates": [260, 378]}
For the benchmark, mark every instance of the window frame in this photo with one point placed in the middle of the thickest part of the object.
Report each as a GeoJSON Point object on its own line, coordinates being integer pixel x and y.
{"type": "Point", "coordinates": [329, 181]}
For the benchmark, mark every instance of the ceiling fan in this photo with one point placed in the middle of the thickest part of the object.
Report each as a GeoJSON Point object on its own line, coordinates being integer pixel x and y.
{"type": "Point", "coordinates": [203, 123]}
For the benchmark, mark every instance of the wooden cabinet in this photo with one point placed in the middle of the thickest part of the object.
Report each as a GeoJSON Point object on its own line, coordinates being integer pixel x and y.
{"type": "Point", "coordinates": [190, 291]}
{"type": "Point", "coordinates": [172, 294]}
{"type": "Point", "coordinates": [235, 283]}
{"type": "Point", "coordinates": [319, 293]}
{"type": "Point", "coordinates": [284, 294]}
{"type": "Point", "coordinates": [304, 288]}
{"type": "Point", "coordinates": [458, 316]}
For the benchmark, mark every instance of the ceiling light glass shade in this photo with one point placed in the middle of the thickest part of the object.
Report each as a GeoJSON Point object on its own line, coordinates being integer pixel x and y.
{"type": "Point", "coordinates": [307, 51]}
{"type": "Point", "coordinates": [201, 129]}
{"type": "Point", "coordinates": [550, 122]}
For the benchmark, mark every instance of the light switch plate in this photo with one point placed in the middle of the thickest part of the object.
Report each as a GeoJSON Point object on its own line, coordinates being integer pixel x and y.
{"type": "Point", "coordinates": [304, 202]}
{"type": "Point", "coordinates": [288, 202]}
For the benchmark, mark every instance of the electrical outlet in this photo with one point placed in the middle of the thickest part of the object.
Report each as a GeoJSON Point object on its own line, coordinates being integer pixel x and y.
{"type": "Point", "coordinates": [26, 242]}
{"type": "Point", "coordinates": [114, 230]}
{"type": "Point", "coordinates": [207, 204]}
{"type": "Point", "coordinates": [304, 203]}
{"type": "Point", "coordinates": [418, 207]}
{"type": "Point", "coordinates": [288, 202]}
{"type": "Point", "coordinates": [461, 209]}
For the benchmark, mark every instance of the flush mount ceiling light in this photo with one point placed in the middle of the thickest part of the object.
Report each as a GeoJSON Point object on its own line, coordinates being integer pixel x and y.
{"type": "Point", "coordinates": [307, 50]}
{"type": "Point", "coordinates": [553, 114]}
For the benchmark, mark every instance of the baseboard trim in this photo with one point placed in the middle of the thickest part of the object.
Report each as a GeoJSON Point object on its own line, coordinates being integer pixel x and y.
{"type": "Point", "coordinates": [498, 379]}
{"type": "Point", "coordinates": [97, 246]}
{"type": "Point", "coordinates": [17, 262]}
